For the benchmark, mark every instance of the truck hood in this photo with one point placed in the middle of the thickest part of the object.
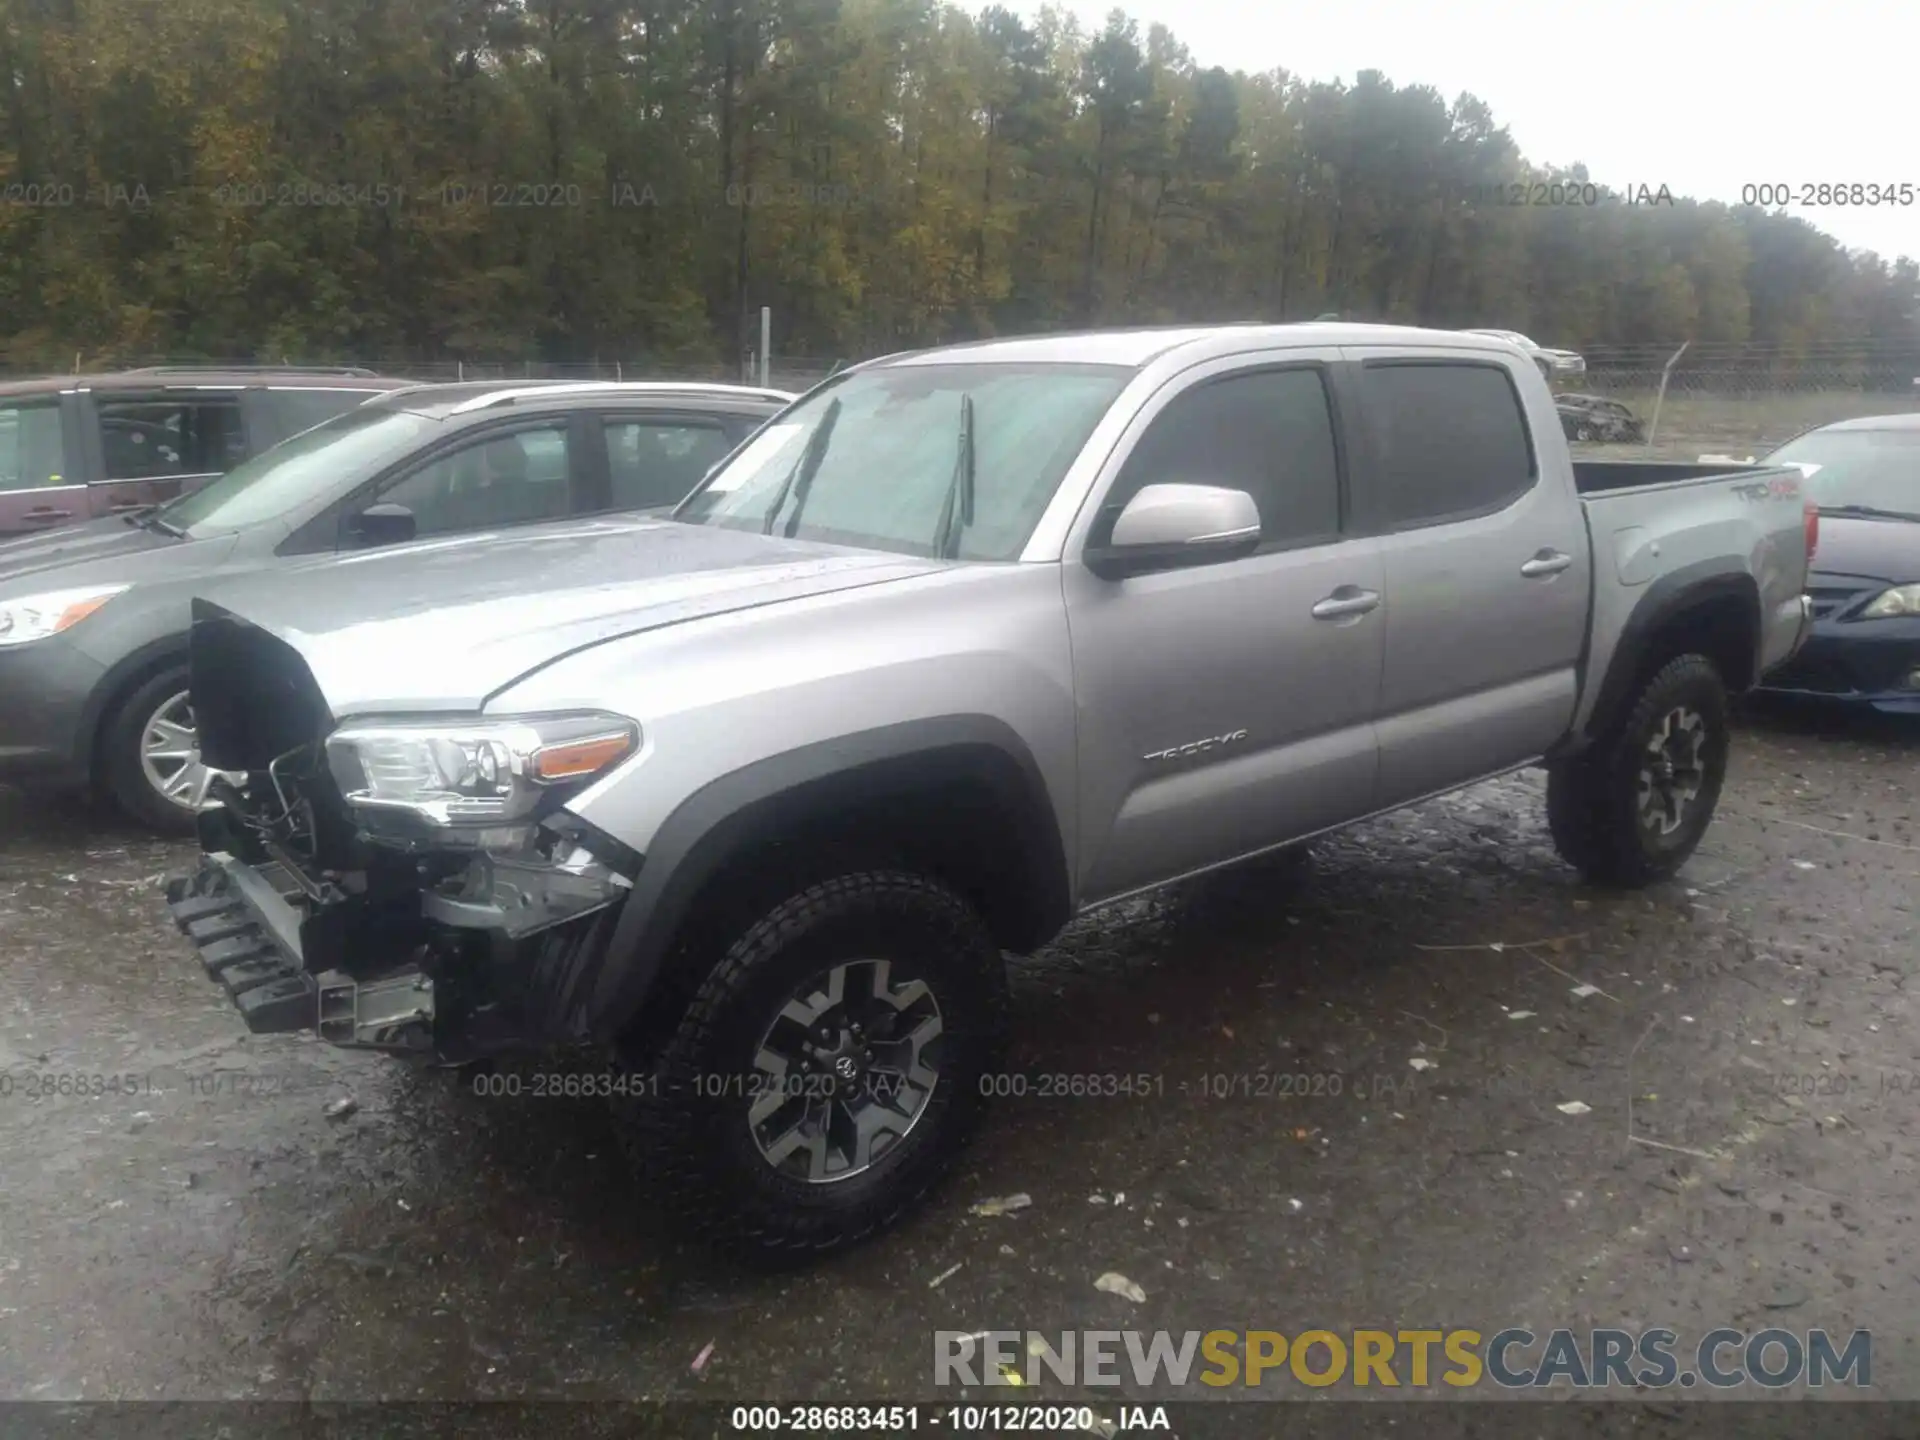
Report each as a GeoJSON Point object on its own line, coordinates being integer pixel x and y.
{"type": "Point", "coordinates": [443, 625]}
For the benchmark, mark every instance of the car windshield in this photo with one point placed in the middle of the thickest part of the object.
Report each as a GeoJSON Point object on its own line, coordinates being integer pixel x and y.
{"type": "Point", "coordinates": [886, 451]}
{"type": "Point", "coordinates": [348, 447]}
{"type": "Point", "coordinates": [1878, 469]}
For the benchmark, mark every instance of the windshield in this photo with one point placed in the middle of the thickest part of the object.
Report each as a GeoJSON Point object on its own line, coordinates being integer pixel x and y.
{"type": "Point", "coordinates": [349, 447]}
{"type": "Point", "coordinates": [1879, 469]}
{"type": "Point", "coordinates": [886, 449]}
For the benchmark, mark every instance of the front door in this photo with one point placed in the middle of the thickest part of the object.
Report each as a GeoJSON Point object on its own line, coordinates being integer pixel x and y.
{"type": "Point", "coordinates": [1227, 708]}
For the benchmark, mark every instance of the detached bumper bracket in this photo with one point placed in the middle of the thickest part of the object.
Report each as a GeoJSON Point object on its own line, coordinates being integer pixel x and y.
{"type": "Point", "coordinates": [241, 929]}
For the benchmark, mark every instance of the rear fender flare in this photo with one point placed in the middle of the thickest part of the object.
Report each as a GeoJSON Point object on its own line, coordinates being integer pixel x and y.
{"type": "Point", "coordinates": [1668, 599]}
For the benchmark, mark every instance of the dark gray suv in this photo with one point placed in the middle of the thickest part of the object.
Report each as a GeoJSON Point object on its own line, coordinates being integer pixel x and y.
{"type": "Point", "coordinates": [78, 447]}
{"type": "Point", "coordinates": [94, 618]}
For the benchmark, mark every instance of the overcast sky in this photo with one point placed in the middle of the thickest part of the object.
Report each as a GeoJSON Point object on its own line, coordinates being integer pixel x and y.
{"type": "Point", "coordinates": [1704, 96]}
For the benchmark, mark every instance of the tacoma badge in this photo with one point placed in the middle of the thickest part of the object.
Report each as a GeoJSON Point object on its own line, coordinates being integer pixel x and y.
{"type": "Point", "coordinates": [1195, 747]}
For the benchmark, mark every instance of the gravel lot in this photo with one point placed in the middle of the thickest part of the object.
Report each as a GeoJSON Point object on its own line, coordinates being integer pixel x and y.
{"type": "Point", "coordinates": [1747, 1050]}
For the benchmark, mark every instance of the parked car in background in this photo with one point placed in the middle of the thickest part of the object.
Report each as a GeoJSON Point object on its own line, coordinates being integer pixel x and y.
{"type": "Point", "coordinates": [1590, 418]}
{"type": "Point", "coordinates": [1865, 648]}
{"type": "Point", "coordinates": [78, 447]}
{"type": "Point", "coordinates": [752, 799]}
{"type": "Point", "coordinates": [1554, 364]}
{"type": "Point", "coordinates": [94, 619]}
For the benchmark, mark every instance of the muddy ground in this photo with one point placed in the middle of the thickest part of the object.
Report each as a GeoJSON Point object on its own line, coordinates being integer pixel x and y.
{"type": "Point", "coordinates": [1747, 1048]}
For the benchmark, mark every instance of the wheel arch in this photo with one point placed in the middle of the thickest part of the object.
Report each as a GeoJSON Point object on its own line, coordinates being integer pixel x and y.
{"type": "Point", "coordinates": [1710, 608]}
{"type": "Point", "coordinates": [959, 797]}
{"type": "Point", "coordinates": [127, 675]}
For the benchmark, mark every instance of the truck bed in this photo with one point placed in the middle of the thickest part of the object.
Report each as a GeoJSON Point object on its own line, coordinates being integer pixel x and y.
{"type": "Point", "coordinates": [1597, 477]}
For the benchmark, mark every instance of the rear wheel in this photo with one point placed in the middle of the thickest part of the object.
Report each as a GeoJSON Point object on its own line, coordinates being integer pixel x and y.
{"type": "Point", "coordinates": [828, 1070]}
{"type": "Point", "coordinates": [1631, 810]}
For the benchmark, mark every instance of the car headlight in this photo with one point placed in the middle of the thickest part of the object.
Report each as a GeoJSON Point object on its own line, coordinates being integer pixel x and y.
{"type": "Point", "coordinates": [478, 772]}
{"type": "Point", "coordinates": [1901, 600]}
{"type": "Point", "coordinates": [35, 617]}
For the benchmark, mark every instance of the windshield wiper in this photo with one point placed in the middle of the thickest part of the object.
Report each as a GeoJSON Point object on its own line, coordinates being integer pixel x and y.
{"type": "Point", "coordinates": [149, 519]}
{"type": "Point", "coordinates": [957, 513]}
{"type": "Point", "coordinates": [1868, 512]}
{"type": "Point", "coordinates": [800, 478]}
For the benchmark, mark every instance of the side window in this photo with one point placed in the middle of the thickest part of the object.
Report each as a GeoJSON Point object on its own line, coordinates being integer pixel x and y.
{"type": "Point", "coordinates": [142, 438]}
{"type": "Point", "coordinates": [511, 479]}
{"type": "Point", "coordinates": [297, 410]}
{"type": "Point", "coordinates": [1452, 441]}
{"type": "Point", "coordinates": [32, 451]}
{"type": "Point", "coordinates": [656, 462]}
{"type": "Point", "coordinates": [1268, 433]}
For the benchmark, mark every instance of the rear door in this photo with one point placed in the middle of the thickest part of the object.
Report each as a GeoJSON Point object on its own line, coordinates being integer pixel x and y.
{"type": "Point", "coordinates": [650, 460]}
{"type": "Point", "coordinates": [155, 444]}
{"type": "Point", "coordinates": [1486, 564]}
{"type": "Point", "coordinates": [41, 481]}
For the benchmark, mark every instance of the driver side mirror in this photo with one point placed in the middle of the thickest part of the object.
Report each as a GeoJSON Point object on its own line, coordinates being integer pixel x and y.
{"type": "Point", "coordinates": [1172, 527]}
{"type": "Point", "coordinates": [384, 524]}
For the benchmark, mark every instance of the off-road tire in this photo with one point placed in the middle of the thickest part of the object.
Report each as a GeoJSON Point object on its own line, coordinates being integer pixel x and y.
{"type": "Point", "coordinates": [688, 1136]}
{"type": "Point", "coordinates": [121, 776]}
{"type": "Point", "coordinates": [1593, 799]}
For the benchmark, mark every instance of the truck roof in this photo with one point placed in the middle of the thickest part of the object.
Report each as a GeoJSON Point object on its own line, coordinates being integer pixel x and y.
{"type": "Point", "coordinates": [1138, 348]}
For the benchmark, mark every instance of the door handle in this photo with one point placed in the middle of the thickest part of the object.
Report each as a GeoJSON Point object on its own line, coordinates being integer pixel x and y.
{"type": "Point", "coordinates": [42, 512]}
{"type": "Point", "coordinates": [1547, 562]}
{"type": "Point", "coordinates": [124, 507]}
{"type": "Point", "coordinates": [1347, 600]}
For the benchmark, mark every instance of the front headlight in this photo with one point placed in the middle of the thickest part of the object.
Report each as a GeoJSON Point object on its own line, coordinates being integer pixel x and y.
{"type": "Point", "coordinates": [1901, 600]}
{"type": "Point", "coordinates": [35, 617]}
{"type": "Point", "coordinates": [480, 772]}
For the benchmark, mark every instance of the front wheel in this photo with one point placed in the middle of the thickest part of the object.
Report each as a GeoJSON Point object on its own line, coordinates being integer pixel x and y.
{"type": "Point", "coordinates": [150, 755]}
{"type": "Point", "coordinates": [1631, 810]}
{"type": "Point", "coordinates": [828, 1070]}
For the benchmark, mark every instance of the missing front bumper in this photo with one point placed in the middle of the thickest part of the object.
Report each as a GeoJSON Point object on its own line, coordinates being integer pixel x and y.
{"type": "Point", "coordinates": [248, 938]}
{"type": "Point", "coordinates": [391, 1014]}
{"type": "Point", "coordinates": [248, 934]}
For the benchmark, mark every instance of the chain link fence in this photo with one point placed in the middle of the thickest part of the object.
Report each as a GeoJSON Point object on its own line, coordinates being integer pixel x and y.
{"type": "Point", "coordinates": [1744, 400]}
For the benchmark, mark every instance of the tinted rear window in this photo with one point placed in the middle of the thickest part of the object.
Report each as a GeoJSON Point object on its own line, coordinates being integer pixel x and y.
{"type": "Point", "coordinates": [1451, 441]}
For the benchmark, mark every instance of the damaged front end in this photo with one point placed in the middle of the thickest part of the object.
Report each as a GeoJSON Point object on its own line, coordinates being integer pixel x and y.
{"type": "Point", "coordinates": [412, 885]}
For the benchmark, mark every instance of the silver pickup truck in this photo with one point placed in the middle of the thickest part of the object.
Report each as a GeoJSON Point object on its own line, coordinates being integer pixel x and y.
{"type": "Point", "coordinates": [754, 799]}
